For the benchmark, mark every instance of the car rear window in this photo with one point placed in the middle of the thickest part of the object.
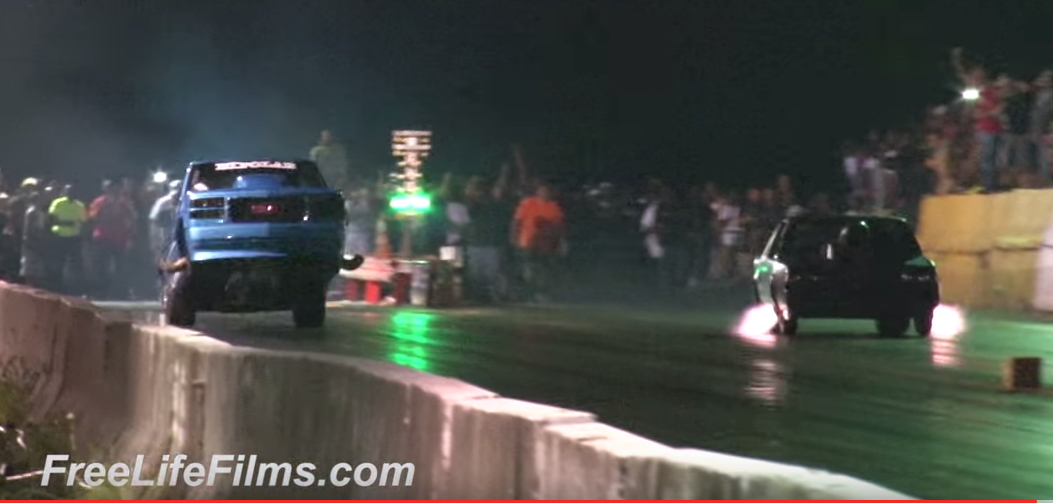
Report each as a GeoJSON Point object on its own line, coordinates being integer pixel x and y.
{"type": "Point", "coordinates": [893, 239]}
{"type": "Point", "coordinates": [889, 239]}
{"type": "Point", "coordinates": [207, 177]}
{"type": "Point", "coordinates": [805, 238]}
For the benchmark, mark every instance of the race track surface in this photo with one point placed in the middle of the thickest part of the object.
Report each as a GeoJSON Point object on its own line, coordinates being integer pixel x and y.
{"type": "Point", "coordinates": [922, 416]}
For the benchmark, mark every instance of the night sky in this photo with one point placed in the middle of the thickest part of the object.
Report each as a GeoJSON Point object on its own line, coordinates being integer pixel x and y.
{"type": "Point", "coordinates": [733, 91]}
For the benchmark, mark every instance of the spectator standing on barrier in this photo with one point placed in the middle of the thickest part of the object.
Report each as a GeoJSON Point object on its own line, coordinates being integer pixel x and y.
{"type": "Point", "coordinates": [987, 115]}
{"type": "Point", "coordinates": [1040, 119]}
{"type": "Point", "coordinates": [1015, 143]}
{"type": "Point", "coordinates": [67, 215]}
{"type": "Point", "coordinates": [35, 242]}
{"type": "Point", "coordinates": [538, 231]}
{"type": "Point", "coordinates": [331, 159]}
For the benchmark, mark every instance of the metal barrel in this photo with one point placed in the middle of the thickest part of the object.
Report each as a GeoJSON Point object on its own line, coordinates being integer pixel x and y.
{"type": "Point", "coordinates": [420, 284]}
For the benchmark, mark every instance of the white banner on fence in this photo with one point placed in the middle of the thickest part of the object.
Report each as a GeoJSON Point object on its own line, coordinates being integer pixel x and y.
{"type": "Point", "coordinates": [1043, 298]}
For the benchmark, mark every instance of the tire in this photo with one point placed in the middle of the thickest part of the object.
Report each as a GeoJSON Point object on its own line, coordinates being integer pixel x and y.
{"type": "Point", "coordinates": [309, 309]}
{"type": "Point", "coordinates": [923, 324]}
{"type": "Point", "coordinates": [783, 326]}
{"type": "Point", "coordinates": [177, 307]}
{"type": "Point", "coordinates": [787, 327]}
{"type": "Point", "coordinates": [893, 326]}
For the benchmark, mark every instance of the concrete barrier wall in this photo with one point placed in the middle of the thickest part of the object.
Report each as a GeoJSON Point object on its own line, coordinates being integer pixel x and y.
{"type": "Point", "coordinates": [160, 390]}
{"type": "Point", "coordinates": [992, 251]}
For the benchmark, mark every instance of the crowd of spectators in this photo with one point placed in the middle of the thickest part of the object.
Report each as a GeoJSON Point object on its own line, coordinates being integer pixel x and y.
{"type": "Point", "coordinates": [51, 239]}
{"type": "Point", "coordinates": [995, 136]}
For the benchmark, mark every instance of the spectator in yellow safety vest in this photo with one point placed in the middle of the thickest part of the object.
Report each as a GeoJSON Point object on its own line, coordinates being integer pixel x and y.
{"type": "Point", "coordinates": [67, 216]}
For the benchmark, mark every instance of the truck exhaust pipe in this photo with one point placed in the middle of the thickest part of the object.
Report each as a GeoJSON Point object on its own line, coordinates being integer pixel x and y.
{"type": "Point", "coordinates": [351, 263]}
{"type": "Point", "coordinates": [173, 267]}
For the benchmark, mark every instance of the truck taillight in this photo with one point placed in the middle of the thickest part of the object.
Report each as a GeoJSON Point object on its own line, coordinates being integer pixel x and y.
{"type": "Point", "coordinates": [265, 209]}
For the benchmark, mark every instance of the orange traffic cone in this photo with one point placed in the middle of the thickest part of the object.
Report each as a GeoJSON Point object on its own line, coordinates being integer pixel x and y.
{"type": "Point", "coordinates": [374, 292]}
{"type": "Point", "coordinates": [383, 248]}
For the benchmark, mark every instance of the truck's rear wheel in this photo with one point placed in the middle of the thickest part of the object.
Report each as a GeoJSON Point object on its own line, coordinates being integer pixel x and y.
{"type": "Point", "coordinates": [309, 308]}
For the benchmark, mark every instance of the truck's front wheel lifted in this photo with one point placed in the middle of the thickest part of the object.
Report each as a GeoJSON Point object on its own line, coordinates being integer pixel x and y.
{"type": "Point", "coordinates": [178, 309]}
{"type": "Point", "coordinates": [309, 308]}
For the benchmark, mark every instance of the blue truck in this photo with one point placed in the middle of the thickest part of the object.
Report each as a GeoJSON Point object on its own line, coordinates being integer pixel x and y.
{"type": "Point", "coordinates": [251, 236]}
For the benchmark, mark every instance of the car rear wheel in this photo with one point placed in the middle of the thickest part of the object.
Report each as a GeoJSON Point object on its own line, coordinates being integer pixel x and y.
{"type": "Point", "coordinates": [309, 308]}
{"type": "Point", "coordinates": [786, 322]}
{"type": "Point", "coordinates": [923, 323]}
{"type": "Point", "coordinates": [787, 326]}
{"type": "Point", "coordinates": [893, 326]}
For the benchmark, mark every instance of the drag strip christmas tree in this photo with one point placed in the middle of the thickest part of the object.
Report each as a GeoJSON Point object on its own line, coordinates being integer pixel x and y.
{"type": "Point", "coordinates": [409, 200]}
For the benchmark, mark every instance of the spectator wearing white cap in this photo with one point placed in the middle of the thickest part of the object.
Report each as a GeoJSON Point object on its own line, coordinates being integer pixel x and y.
{"type": "Point", "coordinates": [35, 242]}
{"type": "Point", "coordinates": [162, 217]}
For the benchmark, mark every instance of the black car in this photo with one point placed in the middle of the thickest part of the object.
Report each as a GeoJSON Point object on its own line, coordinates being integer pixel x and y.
{"type": "Point", "coordinates": [851, 267]}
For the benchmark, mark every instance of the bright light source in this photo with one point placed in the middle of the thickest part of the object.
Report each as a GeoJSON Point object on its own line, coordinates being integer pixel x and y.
{"type": "Point", "coordinates": [756, 324]}
{"type": "Point", "coordinates": [411, 202]}
{"type": "Point", "coordinates": [971, 94]}
{"type": "Point", "coordinates": [160, 177]}
{"type": "Point", "coordinates": [420, 202]}
{"type": "Point", "coordinates": [949, 321]}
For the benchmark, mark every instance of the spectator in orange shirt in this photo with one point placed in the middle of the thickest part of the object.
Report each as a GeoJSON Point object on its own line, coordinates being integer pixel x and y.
{"type": "Point", "coordinates": [112, 216]}
{"type": "Point", "coordinates": [538, 231]}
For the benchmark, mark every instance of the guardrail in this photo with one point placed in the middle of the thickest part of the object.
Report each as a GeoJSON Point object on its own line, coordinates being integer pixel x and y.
{"type": "Point", "coordinates": [148, 390]}
{"type": "Point", "coordinates": [992, 251]}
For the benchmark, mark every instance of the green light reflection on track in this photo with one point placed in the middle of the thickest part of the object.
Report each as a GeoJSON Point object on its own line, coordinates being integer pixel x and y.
{"type": "Point", "coordinates": [411, 333]}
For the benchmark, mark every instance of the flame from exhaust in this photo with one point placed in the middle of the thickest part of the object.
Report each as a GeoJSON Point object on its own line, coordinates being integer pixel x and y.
{"type": "Point", "coordinates": [948, 321]}
{"type": "Point", "coordinates": [756, 323]}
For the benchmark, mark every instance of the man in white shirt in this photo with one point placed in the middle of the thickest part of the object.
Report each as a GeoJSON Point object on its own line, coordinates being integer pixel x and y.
{"type": "Point", "coordinates": [162, 217]}
{"type": "Point", "coordinates": [731, 235]}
